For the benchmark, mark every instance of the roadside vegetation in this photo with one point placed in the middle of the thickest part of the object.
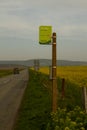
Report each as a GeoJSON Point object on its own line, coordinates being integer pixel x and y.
{"type": "Point", "coordinates": [5, 72]}
{"type": "Point", "coordinates": [35, 109]}
{"type": "Point", "coordinates": [35, 112]}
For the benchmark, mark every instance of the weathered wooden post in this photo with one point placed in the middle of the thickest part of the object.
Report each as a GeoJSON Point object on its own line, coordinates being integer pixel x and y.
{"type": "Point", "coordinates": [84, 91]}
{"type": "Point", "coordinates": [63, 88]}
{"type": "Point", "coordinates": [54, 75]}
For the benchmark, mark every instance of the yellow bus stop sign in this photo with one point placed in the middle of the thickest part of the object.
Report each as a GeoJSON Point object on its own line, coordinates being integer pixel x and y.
{"type": "Point", "coordinates": [45, 34]}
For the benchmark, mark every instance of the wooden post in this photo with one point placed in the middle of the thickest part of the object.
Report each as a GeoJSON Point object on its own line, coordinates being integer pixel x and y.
{"type": "Point", "coordinates": [85, 98]}
{"type": "Point", "coordinates": [54, 79]}
{"type": "Point", "coordinates": [63, 88]}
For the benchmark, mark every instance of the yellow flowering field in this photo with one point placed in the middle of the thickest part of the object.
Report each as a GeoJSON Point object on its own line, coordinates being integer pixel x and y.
{"type": "Point", "coordinates": [76, 74]}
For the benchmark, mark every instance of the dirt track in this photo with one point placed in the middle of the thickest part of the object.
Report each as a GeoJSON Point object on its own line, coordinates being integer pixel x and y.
{"type": "Point", "coordinates": [11, 91]}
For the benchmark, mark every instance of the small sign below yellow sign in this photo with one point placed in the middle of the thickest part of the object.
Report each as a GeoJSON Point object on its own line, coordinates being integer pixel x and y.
{"type": "Point", "coordinates": [45, 34]}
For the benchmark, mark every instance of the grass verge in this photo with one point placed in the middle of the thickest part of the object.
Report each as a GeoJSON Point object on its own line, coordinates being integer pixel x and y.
{"type": "Point", "coordinates": [35, 108]}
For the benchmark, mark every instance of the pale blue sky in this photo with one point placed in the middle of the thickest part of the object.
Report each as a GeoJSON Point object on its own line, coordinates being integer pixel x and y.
{"type": "Point", "coordinates": [19, 29]}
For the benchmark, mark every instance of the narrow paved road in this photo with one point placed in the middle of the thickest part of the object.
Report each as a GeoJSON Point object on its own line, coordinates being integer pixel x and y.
{"type": "Point", "coordinates": [11, 91]}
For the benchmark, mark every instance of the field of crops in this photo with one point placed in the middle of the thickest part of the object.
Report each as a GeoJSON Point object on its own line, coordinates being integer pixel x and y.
{"type": "Point", "coordinates": [76, 74]}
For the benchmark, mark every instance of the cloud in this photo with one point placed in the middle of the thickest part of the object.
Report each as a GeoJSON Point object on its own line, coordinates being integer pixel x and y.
{"type": "Point", "coordinates": [73, 30]}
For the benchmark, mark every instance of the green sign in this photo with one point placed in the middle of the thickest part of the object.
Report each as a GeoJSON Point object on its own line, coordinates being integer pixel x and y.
{"type": "Point", "coordinates": [45, 34]}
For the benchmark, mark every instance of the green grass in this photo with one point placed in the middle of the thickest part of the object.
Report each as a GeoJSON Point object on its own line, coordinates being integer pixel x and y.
{"type": "Point", "coordinates": [35, 108]}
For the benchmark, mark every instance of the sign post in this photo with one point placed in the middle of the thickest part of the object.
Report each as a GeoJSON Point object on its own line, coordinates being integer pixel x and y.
{"type": "Point", "coordinates": [54, 79]}
{"type": "Point", "coordinates": [45, 37]}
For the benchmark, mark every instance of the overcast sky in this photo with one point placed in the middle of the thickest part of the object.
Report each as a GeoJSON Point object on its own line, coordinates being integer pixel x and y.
{"type": "Point", "coordinates": [19, 29]}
